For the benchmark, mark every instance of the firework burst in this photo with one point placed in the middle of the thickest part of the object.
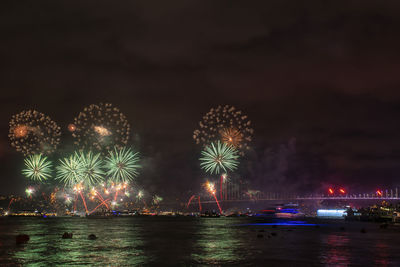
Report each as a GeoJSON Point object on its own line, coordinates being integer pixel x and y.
{"type": "Point", "coordinates": [140, 195]}
{"type": "Point", "coordinates": [92, 173]}
{"type": "Point", "coordinates": [157, 200]}
{"type": "Point", "coordinates": [32, 132]}
{"type": "Point", "coordinates": [100, 127]}
{"type": "Point", "coordinates": [231, 136]}
{"type": "Point", "coordinates": [122, 165]}
{"type": "Point", "coordinates": [219, 157]}
{"type": "Point", "coordinates": [226, 124]}
{"type": "Point", "coordinates": [210, 187]}
{"type": "Point", "coordinates": [37, 167]}
{"type": "Point", "coordinates": [29, 191]}
{"type": "Point", "coordinates": [70, 170]}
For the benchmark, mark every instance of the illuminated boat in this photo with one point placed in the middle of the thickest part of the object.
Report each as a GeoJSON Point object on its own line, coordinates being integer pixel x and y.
{"type": "Point", "coordinates": [331, 213]}
{"type": "Point", "coordinates": [269, 212]}
{"type": "Point", "coordinates": [282, 211]}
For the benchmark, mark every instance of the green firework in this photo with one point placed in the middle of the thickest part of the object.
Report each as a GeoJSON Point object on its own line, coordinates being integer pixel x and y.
{"type": "Point", "coordinates": [219, 156]}
{"type": "Point", "coordinates": [122, 165]}
{"type": "Point", "coordinates": [37, 167]}
{"type": "Point", "coordinates": [92, 172]}
{"type": "Point", "coordinates": [157, 200]}
{"type": "Point", "coordinates": [140, 195]}
{"type": "Point", "coordinates": [70, 171]}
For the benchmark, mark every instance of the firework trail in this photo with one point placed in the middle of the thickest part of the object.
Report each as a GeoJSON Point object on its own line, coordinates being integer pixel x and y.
{"type": "Point", "coordinates": [9, 204]}
{"type": "Point", "coordinates": [116, 195]}
{"type": "Point", "coordinates": [75, 201]}
{"type": "Point", "coordinates": [78, 189]}
{"type": "Point", "coordinates": [102, 199]}
{"type": "Point", "coordinates": [104, 202]}
{"type": "Point", "coordinates": [95, 193]}
{"type": "Point", "coordinates": [211, 189]}
{"type": "Point", "coordinates": [199, 204]}
{"type": "Point", "coordinates": [216, 200]}
{"type": "Point", "coordinates": [84, 201]}
{"type": "Point", "coordinates": [190, 200]}
{"type": "Point", "coordinates": [222, 180]}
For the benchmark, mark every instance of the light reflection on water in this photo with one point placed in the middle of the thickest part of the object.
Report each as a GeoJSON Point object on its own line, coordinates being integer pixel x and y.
{"type": "Point", "coordinates": [382, 254]}
{"type": "Point", "coordinates": [216, 243]}
{"type": "Point", "coordinates": [184, 241]}
{"type": "Point", "coordinates": [335, 249]}
{"type": "Point", "coordinates": [117, 244]}
{"type": "Point", "coordinates": [281, 223]}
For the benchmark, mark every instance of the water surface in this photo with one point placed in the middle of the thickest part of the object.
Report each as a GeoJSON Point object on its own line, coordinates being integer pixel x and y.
{"type": "Point", "coordinates": [187, 241]}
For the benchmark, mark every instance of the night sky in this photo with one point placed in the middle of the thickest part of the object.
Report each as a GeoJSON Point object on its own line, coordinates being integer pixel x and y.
{"type": "Point", "coordinates": [318, 79]}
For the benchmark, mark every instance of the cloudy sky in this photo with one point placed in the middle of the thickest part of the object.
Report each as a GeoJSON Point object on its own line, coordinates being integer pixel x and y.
{"type": "Point", "coordinates": [318, 79]}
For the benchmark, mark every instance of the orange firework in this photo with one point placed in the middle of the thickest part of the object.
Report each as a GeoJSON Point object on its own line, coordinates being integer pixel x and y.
{"type": "Point", "coordinates": [232, 137]}
{"type": "Point", "coordinates": [20, 131]}
{"type": "Point", "coordinates": [210, 187]}
{"type": "Point", "coordinates": [102, 131]}
{"type": "Point", "coordinates": [32, 132]}
{"type": "Point", "coordinates": [226, 123]}
{"type": "Point", "coordinates": [53, 198]}
{"type": "Point", "coordinates": [71, 127]}
{"type": "Point", "coordinates": [101, 127]}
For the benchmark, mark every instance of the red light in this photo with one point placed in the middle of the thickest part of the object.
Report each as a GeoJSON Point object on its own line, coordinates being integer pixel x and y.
{"type": "Point", "coordinates": [342, 191]}
{"type": "Point", "coordinates": [379, 192]}
{"type": "Point", "coordinates": [331, 191]}
{"type": "Point", "coordinates": [71, 127]}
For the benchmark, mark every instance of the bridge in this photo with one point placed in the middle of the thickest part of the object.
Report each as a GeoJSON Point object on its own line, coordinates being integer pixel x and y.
{"type": "Point", "coordinates": [227, 190]}
{"type": "Point", "coordinates": [232, 195]}
{"type": "Point", "coordinates": [294, 199]}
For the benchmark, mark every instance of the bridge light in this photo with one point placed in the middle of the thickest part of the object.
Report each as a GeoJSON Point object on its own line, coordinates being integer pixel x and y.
{"type": "Point", "coordinates": [331, 191]}
{"type": "Point", "coordinates": [342, 191]}
{"type": "Point", "coordinates": [379, 192]}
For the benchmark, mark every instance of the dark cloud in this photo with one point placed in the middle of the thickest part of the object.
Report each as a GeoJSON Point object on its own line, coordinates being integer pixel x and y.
{"type": "Point", "coordinates": [324, 73]}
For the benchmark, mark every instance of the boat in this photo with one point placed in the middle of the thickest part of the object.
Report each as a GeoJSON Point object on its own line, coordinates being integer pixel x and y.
{"type": "Point", "coordinates": [281, 211]}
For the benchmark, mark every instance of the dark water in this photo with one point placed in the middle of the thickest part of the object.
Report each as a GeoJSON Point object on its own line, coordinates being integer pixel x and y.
{"type": "Point", "coordinates": [163, 241]}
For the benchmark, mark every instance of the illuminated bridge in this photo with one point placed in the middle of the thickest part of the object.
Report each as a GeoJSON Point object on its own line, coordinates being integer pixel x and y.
{"type": "Point", "coordinates": [293, 199]}
{"type": "Point", "coordinates": [235, 196]}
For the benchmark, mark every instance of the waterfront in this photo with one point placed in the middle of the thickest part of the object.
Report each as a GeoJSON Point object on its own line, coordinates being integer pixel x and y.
{"type": "Point", "coordinates": [183, 241]}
